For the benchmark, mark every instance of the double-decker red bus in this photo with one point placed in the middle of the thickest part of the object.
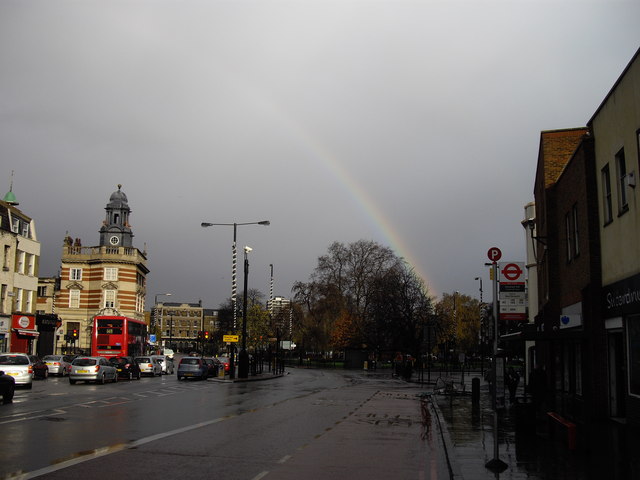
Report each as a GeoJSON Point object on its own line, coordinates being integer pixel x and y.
{"type": "Point", "coordinates": [115, 336]}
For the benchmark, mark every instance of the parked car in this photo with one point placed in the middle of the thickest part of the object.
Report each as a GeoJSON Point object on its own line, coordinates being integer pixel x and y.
{"type": "Point", "coordinates": [149, 365]}
{"type": "Point", "coordinates": [126, 367]}
{"type": "Point", "coordinates": [18, 366]}
{"type": "Point", "coordinates": [192, 367]}
{"type": "Point", "coordinates": [224, 361]}
{"type": "Point", "coordinates": [92, 369]}
{"type": "Point", "coordinates": [7, 387]}
{"type": "Point", "coordinates": [58, 364]}
{"type": "Point", "coordinates": [168, 352]}
{"type": "Point", "coordinates": [40, 368]}
{"type": "Point", "coordinates": [213, 365]}
{"type": "Point", "coordinates": [167, 364]}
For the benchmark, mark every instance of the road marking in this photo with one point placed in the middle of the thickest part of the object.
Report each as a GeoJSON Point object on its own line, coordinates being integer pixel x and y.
{"type": "Point", "coordinates": [260, 475]}
{"type": "Point", "coordinates": [31, 416]}
{"type": "Point", "coordinates": [284, 459]}
{"type": "Point", "coordinates": [103, 451]}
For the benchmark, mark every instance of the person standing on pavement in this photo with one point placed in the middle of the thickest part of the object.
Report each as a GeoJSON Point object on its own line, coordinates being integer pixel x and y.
{"type": "Point", "coordinates": [512, 379]}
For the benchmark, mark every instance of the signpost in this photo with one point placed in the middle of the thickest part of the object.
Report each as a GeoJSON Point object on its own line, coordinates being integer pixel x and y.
{"type": "Point", "coordinates": [512, 292]}
{"type": "Point", "coordinates": [231, 338]}
{"type": "Point", "coordinates": [495, 464]}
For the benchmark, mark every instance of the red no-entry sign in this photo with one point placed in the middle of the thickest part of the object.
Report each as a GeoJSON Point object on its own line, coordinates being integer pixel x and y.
{"type": "Point", "coordinates": [494, 254]}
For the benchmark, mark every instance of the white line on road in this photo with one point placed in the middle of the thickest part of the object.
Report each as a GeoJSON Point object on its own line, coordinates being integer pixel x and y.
{"type": "Point", "coordinates": [101, 452]}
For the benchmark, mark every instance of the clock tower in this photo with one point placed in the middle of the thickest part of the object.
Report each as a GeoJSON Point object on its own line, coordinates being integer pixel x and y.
{"type": "Point", "coordinates": [115, 230]}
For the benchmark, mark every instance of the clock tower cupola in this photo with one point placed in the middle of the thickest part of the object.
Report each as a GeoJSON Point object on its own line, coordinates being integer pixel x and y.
{"type": "Point", "coordinates": [115, 230]}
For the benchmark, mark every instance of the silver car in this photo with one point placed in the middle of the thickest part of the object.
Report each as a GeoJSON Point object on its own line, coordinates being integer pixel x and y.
{"type": "Point", "coordinates": [149, 365]}
{"type": "Point", "coordinates": [58, 364]}
{"type": "Point", "coordinates": [18, 366]}
{"type": "Point", "coordinates": [92, 369]}
{"type": "Point", "coordinates": [167, 364]}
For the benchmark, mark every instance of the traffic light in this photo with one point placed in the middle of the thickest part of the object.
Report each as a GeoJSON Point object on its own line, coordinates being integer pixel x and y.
{"type": "Point", "coordinates": [74, 333]}
{"type": "Point", "coordinates": [206, 335]}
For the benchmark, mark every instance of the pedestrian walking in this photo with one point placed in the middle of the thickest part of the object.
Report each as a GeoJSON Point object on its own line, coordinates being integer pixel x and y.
{"type": "Point", "coordinates": [512, 379]}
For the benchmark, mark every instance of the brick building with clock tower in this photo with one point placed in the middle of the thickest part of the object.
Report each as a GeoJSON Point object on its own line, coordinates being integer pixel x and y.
{"type": "Point", "coordinates": [107, 279]}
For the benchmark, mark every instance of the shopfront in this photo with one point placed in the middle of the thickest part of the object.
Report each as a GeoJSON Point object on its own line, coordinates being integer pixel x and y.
{"type": "Point", "coordinates": [621, 311]}
{"type": "Point", "coordinates": [5, 323]}
{"type": "Point", "coordinates": [23, 333]}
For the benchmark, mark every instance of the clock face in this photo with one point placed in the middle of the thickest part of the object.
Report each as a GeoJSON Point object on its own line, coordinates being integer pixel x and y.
{"type": "Point", "coordinates": [114, 240]}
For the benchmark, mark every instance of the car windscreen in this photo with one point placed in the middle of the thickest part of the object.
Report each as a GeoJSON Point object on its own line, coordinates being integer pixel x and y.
{"type": "Point", "coordinates": [51, 357]}
{"type": "Point", "coordinates": [13, 360]}
{"type": "Point", "coordinates": [143, 360]}
{"type": "Point", "coordinates": [190, 361]}
{"type": "Point", "coordinates": [84, 362]}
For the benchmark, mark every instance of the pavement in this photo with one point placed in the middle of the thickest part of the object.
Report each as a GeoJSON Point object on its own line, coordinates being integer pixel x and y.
{"type": "Point", "coordinates": [527, 449]}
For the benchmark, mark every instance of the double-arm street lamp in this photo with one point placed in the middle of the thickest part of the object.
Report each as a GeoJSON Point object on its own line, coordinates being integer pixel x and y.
{"type": "Point", "coordinates": [234, 286]}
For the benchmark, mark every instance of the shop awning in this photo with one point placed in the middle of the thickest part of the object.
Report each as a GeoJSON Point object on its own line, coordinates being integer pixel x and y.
{"type": "Point", "coordinates": [27, 332]}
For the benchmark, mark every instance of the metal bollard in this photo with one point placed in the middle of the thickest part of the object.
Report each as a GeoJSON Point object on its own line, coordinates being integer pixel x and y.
{"type": "Point", "coordinates": [475, 391]}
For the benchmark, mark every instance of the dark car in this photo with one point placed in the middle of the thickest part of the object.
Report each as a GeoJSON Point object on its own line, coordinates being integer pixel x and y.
{"type": "Point", "coordinates": [40, 368]}
{"type": "Point", "coordinates": [213, 366]}
{"type": "Point", "coordinates": [7, 387]}
{"type": "Point", "coordinates": [192, 367]}
{"type": "Point", "coordinates": [127, 367]}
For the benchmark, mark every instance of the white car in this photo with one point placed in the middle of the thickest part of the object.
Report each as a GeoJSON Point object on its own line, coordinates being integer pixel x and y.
{"type": "Point", "coordinates": [167, 364]}
{"type": "Point", "coordinates": [92, 369]}
{"type": "Point", "coordinates": [58, 364]}
{"type": "Point", "coordinates": [19, 366]}
{"type": "Point", "coordinates": [149, 365]}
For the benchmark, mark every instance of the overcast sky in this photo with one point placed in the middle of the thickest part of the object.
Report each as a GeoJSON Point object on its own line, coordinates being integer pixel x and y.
{"type": "Point", "coordinates": [411, 123]}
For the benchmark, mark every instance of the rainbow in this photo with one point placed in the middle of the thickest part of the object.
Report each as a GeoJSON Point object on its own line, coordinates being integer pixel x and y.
{"type": "Point", "coordinates": [327, 160]}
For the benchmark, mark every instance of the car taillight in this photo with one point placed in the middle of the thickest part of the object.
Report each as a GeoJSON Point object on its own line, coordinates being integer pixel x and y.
{"type": "Point", "coordinates": [30, 369]}
{"type": "Point", "coordinates": [57, 364]}
{"type": "Point", "coordinates": [96, 369]}
{"type": "Point", "coordinates": [149, 365]}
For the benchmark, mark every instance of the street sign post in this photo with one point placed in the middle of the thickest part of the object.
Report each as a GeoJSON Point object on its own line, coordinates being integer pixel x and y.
{"type": "Point", "coordinates": [495, 464]}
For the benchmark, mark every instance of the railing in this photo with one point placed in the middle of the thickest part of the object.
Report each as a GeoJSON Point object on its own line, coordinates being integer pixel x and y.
{"type": "Point", "coordinates": [102, 250]}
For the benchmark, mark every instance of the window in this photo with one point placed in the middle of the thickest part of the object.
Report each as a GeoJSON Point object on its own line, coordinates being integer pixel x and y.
{"type": "Point", "coordinates": [111, 273]}
{"type": "Point", "coordinates": [20, 265]}
{"type": "Point", "coordinates": [74, 298]}
{"type": "Point", "coordinates": [621, 170]}
{"type": "Point", "coordinates": [18, 299]}
{"type": "Point", "coordinates": [3, 296]}
{"type": "Point", "coordinates": [28, 304]}
{"type": "Point", "coordinates": [42, 291]}
{"type": "Point", "coordinates": [569, 232]}
{"type": "Point", "coordinates": [75, 274]}
{"type": "Point", "coordinates": [578, 369]}
{"type": "Point", "coordinates": [109, 299]}
{"type": "Point", "coordinates": [576, 237]}
{"type": "Point", "coordinates": [31, 265]}
{"type": "Point", "coordinates": [15, 225]}
{"type": "Point", "coordinates": [25, 229]}
{"type": "Point", "coordinates": [607, 209]}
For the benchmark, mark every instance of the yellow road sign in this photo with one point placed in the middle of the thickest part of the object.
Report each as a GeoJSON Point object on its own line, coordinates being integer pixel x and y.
{"type": "Point", "coordinates": [230, 338]}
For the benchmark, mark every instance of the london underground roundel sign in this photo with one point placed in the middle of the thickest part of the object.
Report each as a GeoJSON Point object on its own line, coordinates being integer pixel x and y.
{"type": "Point", "coordinates": [494, 254]}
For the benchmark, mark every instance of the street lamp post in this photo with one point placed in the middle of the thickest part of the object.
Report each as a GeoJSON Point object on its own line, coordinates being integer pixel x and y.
{"type": "Point", "coordinates": [243, 365]}
{"type": "Point", "coordinates": [171, 331]}
{"type": "Point", "coordinates": [155, 312]}
{"type": "Point", "coordinates": [235, 225]}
